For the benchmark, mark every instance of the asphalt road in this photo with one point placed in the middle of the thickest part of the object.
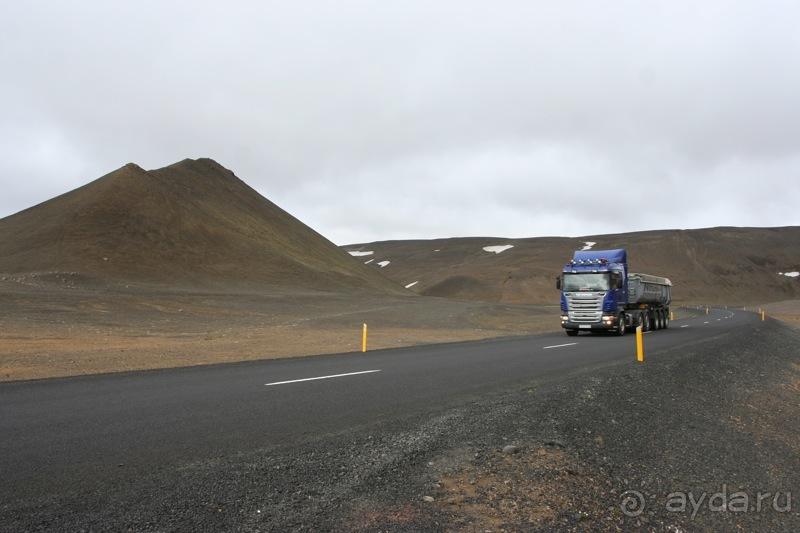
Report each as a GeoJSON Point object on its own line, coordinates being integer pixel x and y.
{"type": "Point", "coordinates": [61, 434]}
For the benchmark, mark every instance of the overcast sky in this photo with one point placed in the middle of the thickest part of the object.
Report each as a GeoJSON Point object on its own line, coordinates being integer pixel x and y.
{"type": "Point", "coordinates": [372, 120]}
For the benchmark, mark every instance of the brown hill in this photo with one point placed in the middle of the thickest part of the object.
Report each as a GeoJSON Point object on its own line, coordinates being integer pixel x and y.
{"type": "Point", "coordinates": [192, 223]}
{"type": "Point", "coordinates": [725, 266]}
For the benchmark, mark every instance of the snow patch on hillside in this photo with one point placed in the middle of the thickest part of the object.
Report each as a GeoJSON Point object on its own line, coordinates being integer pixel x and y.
{"type": "Point", "coordinates": [789, 274]}
{"type": "Point", "coordinates": [589, 245]}
{"type": "Point", "coordinates": [383, 263]}
{"type": "Point", "coordinates": [360, 254]}
{"type": "Point", "coordinates": [411, 284]}
{"type": "Point", "coordinates": [497, 249]}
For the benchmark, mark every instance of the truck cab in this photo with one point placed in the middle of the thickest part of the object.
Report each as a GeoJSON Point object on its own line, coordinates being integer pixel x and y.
{"type": "Point", "coordinates": [594, 292]}
{"type": "Point", "coordinates": [599, 294]}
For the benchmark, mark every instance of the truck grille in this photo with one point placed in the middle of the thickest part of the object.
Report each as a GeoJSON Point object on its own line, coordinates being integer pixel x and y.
{"type": "Point", "coordinates": [586, 308]}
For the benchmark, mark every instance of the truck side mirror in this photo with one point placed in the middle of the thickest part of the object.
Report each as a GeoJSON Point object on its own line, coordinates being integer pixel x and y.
{"type": "Point", "coordinates": [558, 282]}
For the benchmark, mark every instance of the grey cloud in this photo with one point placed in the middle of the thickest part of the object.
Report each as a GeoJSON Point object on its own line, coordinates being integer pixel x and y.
{"type": "Point", "coordinates": [372, 121]}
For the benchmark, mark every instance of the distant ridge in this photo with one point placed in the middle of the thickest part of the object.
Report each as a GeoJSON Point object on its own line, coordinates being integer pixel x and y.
{"type": "Point", "coordinates": [722, 266]}
{"type": "Point", "coordinates": [191, 223]}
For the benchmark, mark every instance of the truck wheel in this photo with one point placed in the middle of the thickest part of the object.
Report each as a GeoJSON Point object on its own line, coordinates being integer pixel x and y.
{"type": "Point", "coordinates": [572, 332]}
{"type": "Point", "coordinates": [645, 321]}
{"type": "Point", "coordinates": [666, 319]}
{"type": "Point", "coordinates": [659, 320]}
{"type": "Point", "coordinates": [622, 328]}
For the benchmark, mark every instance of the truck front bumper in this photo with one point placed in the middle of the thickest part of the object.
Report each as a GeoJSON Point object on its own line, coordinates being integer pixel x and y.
{"type": "Point", "coordinates": [606, 323]}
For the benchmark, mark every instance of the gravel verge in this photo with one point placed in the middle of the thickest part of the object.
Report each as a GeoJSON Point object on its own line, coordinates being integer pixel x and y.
{"type": "Point", "coordinates": [48, 331]}
{"type": "Point", "coordinates": [708, 438]}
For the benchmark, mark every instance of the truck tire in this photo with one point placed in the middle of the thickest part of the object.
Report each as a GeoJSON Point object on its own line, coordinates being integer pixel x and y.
{"type": "Point", "coordinates": [572, 332]}
{"type": "Point", "coordinates": [666, 319]}
{"type": "Point", "coordinates": [623, 326]}
{"type": "Point", "coordinates": [658, 320]}
{"type": "Point", "coordinates": [646, 321]}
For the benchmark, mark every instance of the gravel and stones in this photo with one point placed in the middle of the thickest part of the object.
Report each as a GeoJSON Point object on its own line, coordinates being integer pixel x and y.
{"type": "Point", "coordinates": [702, 440]}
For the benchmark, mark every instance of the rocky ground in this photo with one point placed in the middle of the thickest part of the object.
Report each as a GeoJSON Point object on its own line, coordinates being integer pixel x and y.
{"type": "Point", "coordinates": [62, 324]}
{"type": "Point", "coordinates": [702, 440]}
{"type": "Point", "coordinates": [614, 450]}
{"type": "Point", "coordinates": [787, 312]}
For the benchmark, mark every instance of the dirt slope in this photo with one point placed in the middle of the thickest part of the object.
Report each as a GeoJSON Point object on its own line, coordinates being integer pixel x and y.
{"type": "Point", "coordinates": [192, 223]}
{"type": "Point", "coordinates": [188, 265]}
{"type": "Point", "coordinates": [722, 266]}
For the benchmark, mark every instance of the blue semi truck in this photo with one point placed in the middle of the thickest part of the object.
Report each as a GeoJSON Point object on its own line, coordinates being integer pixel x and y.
{"type": "Point", "coordinates": [598, 294]}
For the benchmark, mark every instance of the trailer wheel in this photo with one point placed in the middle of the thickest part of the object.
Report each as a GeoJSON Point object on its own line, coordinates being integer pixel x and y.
{"type": "Point", "coordinates": [572, 332]}
{"type": "Point", "coordinates": [645, 321]}
{"type": "Point", "coordinates": [666, 319]}
{"type": "Point", "coordinates": [659, 320]}
{"type": "Point", "coordinates": [623, 326]}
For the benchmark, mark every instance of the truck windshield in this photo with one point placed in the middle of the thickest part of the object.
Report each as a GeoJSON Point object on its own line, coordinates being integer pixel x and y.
{"type": "Point", "coordinates": [587, 282]}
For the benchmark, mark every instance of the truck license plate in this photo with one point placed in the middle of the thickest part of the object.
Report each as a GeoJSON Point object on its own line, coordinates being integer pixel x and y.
{"type": "Point", "coordinates": [584, 326]}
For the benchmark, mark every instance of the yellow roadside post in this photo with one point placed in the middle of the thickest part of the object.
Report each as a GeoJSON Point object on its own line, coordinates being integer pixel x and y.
{"type": "Point", "coordinates": [364, 339]}
{"type": "Point", "coordinates": [706, 309]}
{"type": "Point", "coordinates": [639, 347]}
{"type": "Point", "coordinates": [763, 315]}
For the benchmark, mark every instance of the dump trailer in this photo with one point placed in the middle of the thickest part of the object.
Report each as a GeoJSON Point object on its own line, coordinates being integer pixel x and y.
{"type": "Point", "coordinates": [598, 294]}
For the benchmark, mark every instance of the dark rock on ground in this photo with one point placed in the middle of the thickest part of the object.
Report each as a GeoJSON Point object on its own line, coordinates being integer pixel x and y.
{"type": "Point", "coordinates": [614, 450]}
